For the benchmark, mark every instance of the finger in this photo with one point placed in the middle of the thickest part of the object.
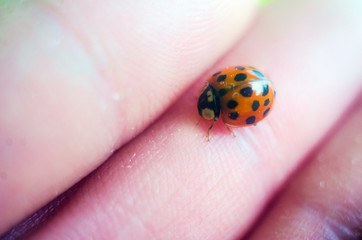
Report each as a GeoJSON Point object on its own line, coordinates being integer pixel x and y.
{"type": "Point", "coordinates": [171, 182]}
{"type": "Point", "coordinates": [324, 200]}
{"type": "Point", "coordinates": [78, 80]}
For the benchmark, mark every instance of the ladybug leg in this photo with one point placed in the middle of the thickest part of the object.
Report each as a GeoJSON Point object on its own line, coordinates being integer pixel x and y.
{"type": "Point", "coordinates": [208, 131]}
{"type": "Point", "coordinates": [230, 131]}
{"type": "Point", "coordinates": [197, 124]}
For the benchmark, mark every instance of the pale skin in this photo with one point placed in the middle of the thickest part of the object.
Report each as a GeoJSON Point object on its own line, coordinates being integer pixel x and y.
{"type": "Point", "coordinates": [79, 81]}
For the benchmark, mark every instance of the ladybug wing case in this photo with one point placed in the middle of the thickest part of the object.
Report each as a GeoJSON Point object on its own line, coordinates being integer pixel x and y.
{"type": "Point", "coordinates": [247, 104]}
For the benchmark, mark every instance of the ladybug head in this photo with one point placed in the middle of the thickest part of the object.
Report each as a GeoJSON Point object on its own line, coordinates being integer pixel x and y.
{"type": "Point", "coordinates": [209, 103]}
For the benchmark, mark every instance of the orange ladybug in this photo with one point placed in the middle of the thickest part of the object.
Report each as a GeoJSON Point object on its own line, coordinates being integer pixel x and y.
{"type": "Point", "coordinates": [241, 94]}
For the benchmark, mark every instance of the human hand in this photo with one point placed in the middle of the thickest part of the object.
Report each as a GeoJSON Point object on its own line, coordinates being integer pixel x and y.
{"type": "Point", "coordinates": [93, 86]}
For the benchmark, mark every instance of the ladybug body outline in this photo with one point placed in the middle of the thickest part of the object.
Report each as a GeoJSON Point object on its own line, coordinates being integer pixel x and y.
{"type": "Point", "coordinates": [242, 95]}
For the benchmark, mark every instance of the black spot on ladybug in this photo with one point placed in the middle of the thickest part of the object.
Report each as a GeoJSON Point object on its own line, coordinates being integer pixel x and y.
{"type": "Point", "coordinates": [259, 74]}
{"type": "Point", "coordinates": [246, 92]}
{"type": "Point", "coordinates": [266, 112]}
{"type": "Point", "coordinates": [215, 74]}
{"type": "Point", "coordinates": [233, 115]}
{"type": "Point", "coordinates": [240, 68]}
{"type": "Point", "coordinates": [232, 104]}
{"type": "Point", "coordinates": [255, 105]}
{"type": "Point", "coordinates": [222, 92]}
{"type": "Point", "coordinates": [266, 102]}
{"type": "Point", "coordinates": [265, 89]}
{"type": "Point", "coordinates": [221, 78]}
{"type": "Point", "coordinates": [250, 120]}
{"type": "Point", "coordinates": [240, 77]}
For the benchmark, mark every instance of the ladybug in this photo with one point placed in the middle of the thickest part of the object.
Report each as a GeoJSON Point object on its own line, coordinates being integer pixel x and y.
{"type": "Point", "coordinates": [242, 95]}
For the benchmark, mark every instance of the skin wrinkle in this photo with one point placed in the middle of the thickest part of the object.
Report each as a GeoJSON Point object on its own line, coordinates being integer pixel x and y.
{"type": "Point", "coordinates": [345, 222]}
